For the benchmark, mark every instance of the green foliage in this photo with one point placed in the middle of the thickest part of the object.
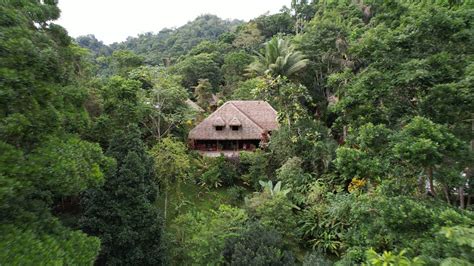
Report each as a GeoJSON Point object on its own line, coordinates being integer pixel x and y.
{"type": "Point", "coordinates": [307, 139]}
{"type": "Point", "coordinates": [391, 81]}
{"type": "Point", "coordinates": [326, 42]}
{"type": "Point", "coordinates": [220, 172]}
{"type": "Point", "coordinates": [172, 163]}
{"type": "Point", "coordinates": [120, 104]}
{"type": "Point", "coordinates": [279, 23]}
{"type": "Point", "coordinates": [33, 244]}
{"type": "Point", "coordinates": [288, 98]}
{"type": "Point", "coordinates": [234, 66]}
{"type": "Point", "coordinates": [203, 93]}
{"type": "Point", "coordinates": [293, 176]}
{"type": "Point", "coordinates": [280, 59]}
{"type": "Point", "coordinates": [169, 44]}
{"type": "Point", "coordinates": [316, 258]}
{"type": "Point", "coordinates": [425, 143]}
{"type": "Point", "coordinates": [236, 195]}
{"type": "Point", "coordinates": [248, 37]}
{"type": "Point", "coordinates": [200, 66]}
{"type": "Point", "coordinates": [199, 238]}
{"type": "Point", "coordinates": [461, 238]}
{"type": "Point", "coordinates": [388, 258]}
{"type": "Point", "coordinates": [246, 89]}
{"type": "Point", "coordinates": [121, 212]}
{"type": "Point", "coordinates": [253, 167]}
{"type": "Point", "coordinates": [163, 101]}
{"type": "Point", "coordinates": [123, 61]}
{"type": "Point", "coordinates": [92, 43]}
{"type": "Point", "coordinates": [273, 209]}
{"type": "Point", "coordinates": [257, 246]}
{"type": "Point", "coordinates": [42, 157]}
{"type": "Point", "coordinates": [75, 164]}
{"type": "Point", "coordinates": [366, 153]}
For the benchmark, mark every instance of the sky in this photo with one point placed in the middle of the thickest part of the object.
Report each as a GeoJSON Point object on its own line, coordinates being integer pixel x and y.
{"type": "Point", "coordinates": [114, 20]}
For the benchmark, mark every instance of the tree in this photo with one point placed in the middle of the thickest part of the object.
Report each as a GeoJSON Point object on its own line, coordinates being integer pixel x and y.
{"type": "Point", "coordinates": [257, 245]}
{"type": "Point", "coordinates": [123, 61]}
{"type": "Point", "coordinates": [200, 66]}
{"type": "Point", "coordinates": [165, 101]}
{"type": "Point", "coordinates": [279, 23]}
{"type": "Point", "coordinates": [92, 43]}
{"type": "Point", "coordinates": [172, 165]}
{"type": "Point", "coordinates": [233, 69]}
{"type": "Point", "coordinates": [121, 212]}
{"type": "Point", "coordinates": [289, 99]}
{"type": "Point", "coordinates": [280, 59]}
{"type": "Point", "coordinates": [293, 176]}
{"type": "Point", "coordinates": [42, 157]}
{"type": "Point", "coordinates": [366, 154]}
{"type": "Point", "coordinates": [220, 172]}
{"type": "Point", "coordinates": [203, 93]}
{"type": "Point", "coordinates": [325, 40]}
{"type": "Point", "coordinates": [119, 104]}
{"type": "Point", "coordinates": [199, 237]}
{"type": "Point", "coordinates": [307, 139]}
{"type": "Point", "coordinates": [274, 210]}
{"type": "Point", "coordinates": [426, 145]}
{"type": "Point", "coordinates": [248, 37]}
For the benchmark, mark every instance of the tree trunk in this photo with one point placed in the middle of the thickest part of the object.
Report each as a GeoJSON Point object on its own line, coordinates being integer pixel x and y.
{"type": "Point", "coordinates": [421, 184]}
{"type": "Point", "coordinates": [446, 193]}
{"type": "Point", "coordinates": [430, 180]}
{"type": "Point", "coordinates": [461, 197]}
{"type": "Point", "coordinates": [166, 205]}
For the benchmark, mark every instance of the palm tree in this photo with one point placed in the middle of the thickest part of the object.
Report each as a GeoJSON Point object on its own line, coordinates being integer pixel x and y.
{"type": "Point", "coordinates": [280, 58]}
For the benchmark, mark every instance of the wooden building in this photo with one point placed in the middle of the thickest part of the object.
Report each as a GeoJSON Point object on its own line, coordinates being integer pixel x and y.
{"type": "Point", "coordinates": [235, 126]}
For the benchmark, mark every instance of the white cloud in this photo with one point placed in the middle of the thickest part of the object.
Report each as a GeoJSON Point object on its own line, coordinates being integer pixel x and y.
{"type": "Point", "coordinates": [115, 20]}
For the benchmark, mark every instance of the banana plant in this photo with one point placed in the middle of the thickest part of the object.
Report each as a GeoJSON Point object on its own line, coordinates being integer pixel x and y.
{"type": "Point", "coordinates": [273, 190]}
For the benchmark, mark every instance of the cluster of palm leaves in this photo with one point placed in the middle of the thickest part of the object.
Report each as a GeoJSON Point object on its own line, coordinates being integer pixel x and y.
{"type": "Point", "coordinates": [279, 59]}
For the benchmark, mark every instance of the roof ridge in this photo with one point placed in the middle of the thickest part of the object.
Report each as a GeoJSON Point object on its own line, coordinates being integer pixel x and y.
{"type": "Point", "coordinates": [242, 112]}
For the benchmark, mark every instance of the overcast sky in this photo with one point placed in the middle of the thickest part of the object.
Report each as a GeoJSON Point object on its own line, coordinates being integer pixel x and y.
{"type": "Point", "coordinates": [114, 20]}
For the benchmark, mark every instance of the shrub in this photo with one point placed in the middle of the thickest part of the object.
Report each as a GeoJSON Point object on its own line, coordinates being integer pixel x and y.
{"type": "Point", "coordinates": [257, 246]}
{"type": "Point", "coordinates": [220, 172]}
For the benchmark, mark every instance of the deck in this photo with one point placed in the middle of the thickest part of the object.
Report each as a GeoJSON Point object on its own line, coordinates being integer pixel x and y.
{"type": "Point", "coordinates": [226, 153]}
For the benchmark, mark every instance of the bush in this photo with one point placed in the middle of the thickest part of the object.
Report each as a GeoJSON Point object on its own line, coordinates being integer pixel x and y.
{"type": "Point", "coordinates": [257, 246]}
{"type": "Point", "coordinates": [220, 172]}
{"type": "Point", "coordinates": [198, 238]}
{"type": "Point", "coordinates": [316, 259]}
{"type": "Point", "coordinates": [236, 194]}
{"type": "Point", "coordinates": [253, 167]}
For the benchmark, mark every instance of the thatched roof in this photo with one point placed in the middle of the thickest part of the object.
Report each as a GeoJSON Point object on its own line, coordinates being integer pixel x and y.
{"type": "Point", "coordinates": [235, 122]}
{"type": "Point", "coordinates": [194, 106]}
{"type": "Point", "coordinates": [218, 121]}
{"type": "Point", "coordinates": [253, 118]}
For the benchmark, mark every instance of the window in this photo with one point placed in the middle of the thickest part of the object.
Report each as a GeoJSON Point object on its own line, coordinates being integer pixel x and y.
{"type": "Point", "coordinates": [219, 128]}
{"type": "Point", "coordinates": [235, 128]}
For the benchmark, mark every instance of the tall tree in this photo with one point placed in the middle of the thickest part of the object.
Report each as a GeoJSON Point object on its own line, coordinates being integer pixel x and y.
{"type": "Point", "coordinates": [122, 212]}
{"type": "Point", "coordinates": [42, 158]}
{"type": "Point", "coordinates": [172, 165]}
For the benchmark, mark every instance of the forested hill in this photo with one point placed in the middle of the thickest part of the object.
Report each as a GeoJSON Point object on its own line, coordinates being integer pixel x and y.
{"type": "Point", "coordinates": [372, 162]}
{"type": "Point", "coordinates": [171, 43]}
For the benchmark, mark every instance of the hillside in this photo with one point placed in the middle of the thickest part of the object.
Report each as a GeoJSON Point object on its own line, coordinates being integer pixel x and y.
{"type": "Point", "coordinates": [172, 43]}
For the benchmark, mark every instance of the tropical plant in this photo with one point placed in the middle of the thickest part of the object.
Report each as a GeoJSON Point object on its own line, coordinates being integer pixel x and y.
{"type": "Point", "coordinates": [388, 258]}
{"type": "Point", "coordinates": [273, 190]}
{"type": "Point", "coordinates": [280, 59]}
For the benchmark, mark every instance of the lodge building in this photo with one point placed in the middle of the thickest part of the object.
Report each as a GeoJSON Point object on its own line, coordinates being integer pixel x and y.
{"type": "Point", "coordinates": [233, 127]}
